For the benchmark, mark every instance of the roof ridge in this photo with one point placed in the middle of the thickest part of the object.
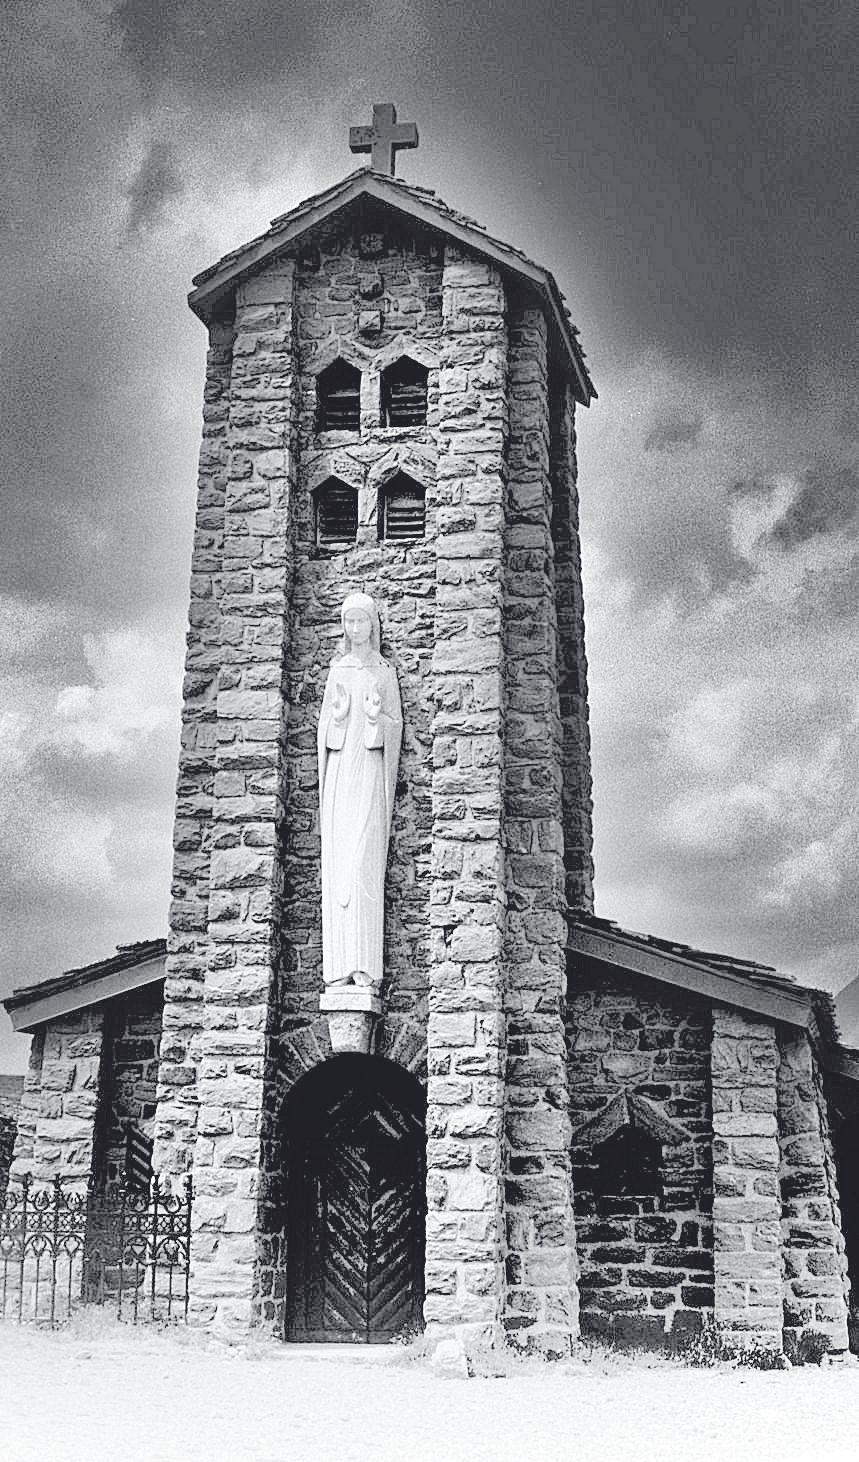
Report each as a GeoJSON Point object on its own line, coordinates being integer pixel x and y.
{"type": "Point", "coordinates": [385, 189]}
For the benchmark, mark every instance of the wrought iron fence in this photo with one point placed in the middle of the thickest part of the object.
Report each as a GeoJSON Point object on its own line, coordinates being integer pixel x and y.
{"type": "Point", "coordinates": [60, 1247]}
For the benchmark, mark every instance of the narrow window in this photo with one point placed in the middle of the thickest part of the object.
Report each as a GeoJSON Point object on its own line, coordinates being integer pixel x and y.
{"type": "Point", "coordinates": [336, 513]}
{"type": "Point", "coordinates": [338, 397]}
{"type": "Point", "coordinates": [402, 510]}
{"type": "Point", "coordinates": [628, 1164]}
{"type": "Point", "coordinates": [404, 393]}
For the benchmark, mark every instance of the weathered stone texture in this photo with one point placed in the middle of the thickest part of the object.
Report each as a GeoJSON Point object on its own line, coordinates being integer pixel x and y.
{"type": "Point", "coordinates": [571, 658]}
{"type": "Point", "coordinates": [401, 577]}
{"type": "Point", "coordinates": [467, 1028]}
{"type": "Point", "coordinates": [636, 1058]}
{"type": "Point", "coordinates": [746, 1201]}
{"type": "Point", "coordinates": [58, 1118]}
{"type": "Point", "coordinates": [242, 1022]}
{"type": "Point", "coordinates": [246, 873]}
{"type": "Point", "coordinates": [541, 1292]}
{"type": "Point", "coordinates": [28, 1114]}
{"type": "Point", "coordinates": [189, 910]}
{"type": "Point", "coordinates": [816, 1286]}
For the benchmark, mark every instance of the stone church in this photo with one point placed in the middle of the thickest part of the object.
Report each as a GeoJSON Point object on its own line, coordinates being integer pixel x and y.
{"type": "Point", "coordinates": [529, 1124]}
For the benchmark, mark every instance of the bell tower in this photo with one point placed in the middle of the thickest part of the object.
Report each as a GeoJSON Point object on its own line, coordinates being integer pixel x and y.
{"type": "Point", "coordinates": [389, 409]}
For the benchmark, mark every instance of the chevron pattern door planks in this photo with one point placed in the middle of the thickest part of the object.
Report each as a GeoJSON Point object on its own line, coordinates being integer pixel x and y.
{"type": "Point", "coordinates": [356, 1232]}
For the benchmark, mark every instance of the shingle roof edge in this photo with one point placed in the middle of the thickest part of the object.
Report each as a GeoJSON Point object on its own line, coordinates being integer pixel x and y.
{"type": "Point", "coordinates": [819, 1004]}
{"type": "Point", "coordinates": [126, 957]}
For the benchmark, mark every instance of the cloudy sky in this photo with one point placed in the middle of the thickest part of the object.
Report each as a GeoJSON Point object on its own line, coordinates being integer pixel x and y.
{"type": "Point", "coordinates": [686, 170]}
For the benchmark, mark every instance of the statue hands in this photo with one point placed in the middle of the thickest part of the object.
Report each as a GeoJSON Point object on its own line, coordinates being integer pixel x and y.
{"type": "Point", "coordinates": [335, 727]}
{"type": "Point", "coordinates": [372, 704]}
{"type": "Point", "coordinates": [374, 732]}
{"type": "Point", "coordinates": [340, 702]}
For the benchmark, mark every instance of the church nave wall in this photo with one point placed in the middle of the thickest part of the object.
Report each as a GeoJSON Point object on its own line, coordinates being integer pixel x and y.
{"type": "Point", "coordinates": [639, 1064]}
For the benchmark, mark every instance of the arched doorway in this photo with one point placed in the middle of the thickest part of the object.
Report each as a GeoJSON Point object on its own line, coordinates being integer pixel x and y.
{"type": "Point", "coordinates": [355, 1151]}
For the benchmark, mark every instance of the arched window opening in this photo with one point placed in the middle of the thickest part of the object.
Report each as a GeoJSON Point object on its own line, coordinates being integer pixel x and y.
{"type": "Point", "coordinates": [628, 1164]}
{"type": "Point", "coordinates": [402, 510]}
{"type": "Point", "coordinates": [338, 396]}
{"type": "Point", "coordinates": [336, 513]}
{"type": "Point", "coordinates": [404, 393]}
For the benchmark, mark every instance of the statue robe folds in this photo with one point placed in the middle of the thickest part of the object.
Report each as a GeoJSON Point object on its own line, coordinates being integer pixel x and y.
{"type": "Point", "coordinates": [360, 731]}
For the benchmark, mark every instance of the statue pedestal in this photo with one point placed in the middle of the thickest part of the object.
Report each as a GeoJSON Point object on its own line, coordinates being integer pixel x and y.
{"type": "Point", "coordinates": [352, 1012]}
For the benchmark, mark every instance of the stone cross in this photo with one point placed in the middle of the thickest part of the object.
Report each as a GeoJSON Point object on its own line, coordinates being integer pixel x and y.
{"type": "Point", "coordinates": [384, 139]}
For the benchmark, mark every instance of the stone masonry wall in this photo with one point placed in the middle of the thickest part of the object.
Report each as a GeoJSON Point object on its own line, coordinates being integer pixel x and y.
{"type": "Point", "coordinates": [571, 659]}
{"type": "Point", "coordinates": [641, 1060]}
{"type": "Point", "coordinates": [336, 286]}
{"type": "Point", "coordinates": [814, 1265]}
{"type": "Point", "coordinates": [334, 292]}
{"type": "Point", "coordinates": [467, 1036]}
{"type": "Point", "coordinates": [746, 1201]}
{"type": "Point", "coordinates": [246, 874]}
{"type": "Point", "coordinates": [57, 1129]}
{"type": "Point", "coordinates": [132, 1036]}
{"type": "Point", "coordinates": [241, 1020]}
{"type": "Point", "coordinates": [189, 910]}
{"type": "Point", "coordinates": [28, 1114]}
{"type": "Point", "coordinates": [541, 1294]}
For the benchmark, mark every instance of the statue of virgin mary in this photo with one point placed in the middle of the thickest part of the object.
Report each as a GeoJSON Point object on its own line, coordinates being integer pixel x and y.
{"type": "Point", "coordinates": [358, 742]}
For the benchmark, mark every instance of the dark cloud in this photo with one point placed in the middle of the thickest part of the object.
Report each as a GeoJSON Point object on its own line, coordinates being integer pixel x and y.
{"type": "Point", "coordinates": [208, 45]}
{"type": "Point", "coordinates": [156, 181]}
{"type": "Point", "coordinates": [673, 428]}
{"type": "Point", "coordinates": [827, 502]}
{"type": "Point", "coordinates": [682, 167]}
{"type": "Point", "coordinates": [149, 30]}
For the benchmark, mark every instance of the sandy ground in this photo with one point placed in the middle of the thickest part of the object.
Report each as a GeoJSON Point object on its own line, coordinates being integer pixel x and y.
{"type": "Point", "coordinates": [124, 1395]}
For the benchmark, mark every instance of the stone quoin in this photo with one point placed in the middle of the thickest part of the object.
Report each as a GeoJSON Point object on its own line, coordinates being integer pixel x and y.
{"type": "Point", "coordinates": [523, 1124]}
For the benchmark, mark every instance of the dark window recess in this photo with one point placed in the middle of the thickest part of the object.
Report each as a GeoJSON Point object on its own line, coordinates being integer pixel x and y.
{"type": "Point", "coordinates": [339, 398]}
{"type": "Point", "coordinates": [336, 513]}
{"type": "Point", "coordinates": [404, 394]}
{"type": "Point", "coordinates": [402, 510]}
{"type": "Point", "coordinates": [628, 1164]}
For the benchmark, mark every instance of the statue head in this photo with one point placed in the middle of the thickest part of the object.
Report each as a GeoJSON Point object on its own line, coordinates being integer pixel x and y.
{"type": "Point", "coordinates": [355, 609]}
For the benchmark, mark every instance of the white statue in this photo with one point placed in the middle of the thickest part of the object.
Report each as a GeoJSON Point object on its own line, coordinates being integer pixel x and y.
{"type": "Point", "coordinates": [360, 731]}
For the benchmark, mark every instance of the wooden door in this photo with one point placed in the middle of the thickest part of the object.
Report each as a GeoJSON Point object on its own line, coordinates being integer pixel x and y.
{"type": "Point", "coordinates": [355, 1235]}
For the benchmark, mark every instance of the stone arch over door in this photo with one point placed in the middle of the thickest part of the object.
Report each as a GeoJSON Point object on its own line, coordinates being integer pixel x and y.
{"type": "Point", "coordinates": [354, 1146]}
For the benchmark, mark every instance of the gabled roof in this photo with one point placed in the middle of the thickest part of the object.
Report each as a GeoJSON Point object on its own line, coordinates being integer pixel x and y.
{"type": "Point", "coordinates": [133, 965]}
{"type": "Point", "coordinates": [214, 286]}
{"type": "Point", "coordinates": [758, 989]}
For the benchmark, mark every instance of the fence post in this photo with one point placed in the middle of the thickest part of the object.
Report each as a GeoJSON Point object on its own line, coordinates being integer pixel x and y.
{"type": "Point", "coordinates": [55, 1244]}
{"type": "Point", "coordinates": [156, 1193]}
{"type": "Point", "coordinates": [25, 1193]}
{"type": "Point", "coordinates": [123, 1192]}
{"type": "Point", "coordinates": [189, 1193]}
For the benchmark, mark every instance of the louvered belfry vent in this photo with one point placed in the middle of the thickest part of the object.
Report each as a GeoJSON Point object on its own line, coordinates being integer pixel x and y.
{"type": "Point", "coordinates": [336, 513]}
{"type": "Point", "coordinates": [404, 393]}
{"type": "Point", "coordinates": [338, 390]}
{"type": "Point", "coordinates": [402, 510]}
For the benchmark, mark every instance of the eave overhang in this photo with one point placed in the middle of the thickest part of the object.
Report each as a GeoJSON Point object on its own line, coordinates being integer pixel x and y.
{"type": "Point", "coordinates": [130, 968]}
{"type": "Point", "coordinates": [755, 989]}
{"type": "Point", "coordinates": [214, 287]}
